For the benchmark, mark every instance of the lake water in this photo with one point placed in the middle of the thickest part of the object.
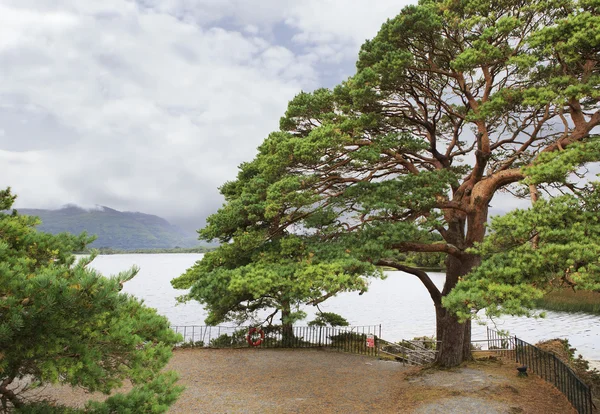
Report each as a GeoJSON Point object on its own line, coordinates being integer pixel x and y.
{"type": "Point", "coordinates": [399, 303]}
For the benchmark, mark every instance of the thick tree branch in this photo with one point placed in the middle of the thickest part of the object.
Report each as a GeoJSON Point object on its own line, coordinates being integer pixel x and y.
{"type": "Point", "coordinates": [323, 298]}
{"type": "Point", "coordinates": [429, 248]}
{"type": "Point", "coordinates": [434, 292]}
{"type": "Point", "coordinates": [581, 131]}
{"type": "Point", "coordinates": [485, 189]}
{"type": "Point", "coordinates": [452, 205]}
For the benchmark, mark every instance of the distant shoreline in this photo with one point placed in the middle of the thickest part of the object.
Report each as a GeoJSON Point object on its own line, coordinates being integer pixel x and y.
{"type": "Point", "coordinates": [111, 251]}
{"type": "Point", "coordinates": [569, 300]}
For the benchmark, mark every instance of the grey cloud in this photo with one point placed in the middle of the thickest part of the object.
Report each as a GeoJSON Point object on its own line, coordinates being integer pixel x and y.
{"type": "Point", "coordinates": [26, 128]}
{"type": "Point", "coordinates": [151, 106]}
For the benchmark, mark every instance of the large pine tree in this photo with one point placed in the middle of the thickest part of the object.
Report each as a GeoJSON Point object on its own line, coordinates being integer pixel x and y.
{"type": "Point", "coordinates": [450, 101]}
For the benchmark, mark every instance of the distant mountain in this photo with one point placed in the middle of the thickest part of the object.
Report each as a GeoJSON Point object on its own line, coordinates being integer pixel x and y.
{"type": "Point", "coordinates": [114, 229]}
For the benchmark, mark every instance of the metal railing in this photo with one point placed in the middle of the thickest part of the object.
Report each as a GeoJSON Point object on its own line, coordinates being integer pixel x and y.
{"type": "Point", "coordinates": [355, 339]}
{"type": "Point", "coordinates": [547, 366]}
{"type": "Point", "coordinates": [502, 344]}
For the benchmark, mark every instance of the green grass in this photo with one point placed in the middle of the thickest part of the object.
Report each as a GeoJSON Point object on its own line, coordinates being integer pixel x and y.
{"type": "Point", "coordinates": [567, 300]}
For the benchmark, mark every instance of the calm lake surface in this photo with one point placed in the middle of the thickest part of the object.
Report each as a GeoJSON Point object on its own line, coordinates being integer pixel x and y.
{"type": "Point", "coordinates": [399, 303]}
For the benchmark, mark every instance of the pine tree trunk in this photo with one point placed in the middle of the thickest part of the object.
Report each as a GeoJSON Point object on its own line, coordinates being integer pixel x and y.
{"type": "Point", "coordinates": [8, 394]}
{"type": "Point", "coordinates": [287, 330]}
{"type": "Point", "coordinates": [467, 349]}
{"type": "Point", "coordinates": [455, 337]}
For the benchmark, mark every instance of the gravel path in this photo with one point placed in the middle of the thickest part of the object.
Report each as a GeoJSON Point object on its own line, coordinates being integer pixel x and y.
{"type": "Point", "coordinates": [314, 381]}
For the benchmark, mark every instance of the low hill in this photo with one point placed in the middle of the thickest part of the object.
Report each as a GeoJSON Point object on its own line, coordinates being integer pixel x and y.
{"type": "Point", "coordinates": [114, 229]}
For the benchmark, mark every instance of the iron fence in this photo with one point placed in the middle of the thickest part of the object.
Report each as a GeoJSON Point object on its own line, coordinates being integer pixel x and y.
{"type": "Point", "coordinates": [503, 344]}
{"type": "Point", "coordinates": [547, 366]}
{"type": "Point", "coordinates": [355, 339]}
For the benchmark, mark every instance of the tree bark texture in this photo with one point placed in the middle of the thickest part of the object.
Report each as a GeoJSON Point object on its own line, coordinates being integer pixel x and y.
{"type": "Point", "coordinates": [287, 330]}
{"type": "Point", "coordinates": [9, 395]}
{"type": "Point", "coordinates": [454, 336]}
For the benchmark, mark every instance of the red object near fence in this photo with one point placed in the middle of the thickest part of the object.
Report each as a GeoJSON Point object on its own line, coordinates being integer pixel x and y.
{"type": "Point", "coordinates": [370, 341]}
{"type": "Point", "coordinates": [251, 332]}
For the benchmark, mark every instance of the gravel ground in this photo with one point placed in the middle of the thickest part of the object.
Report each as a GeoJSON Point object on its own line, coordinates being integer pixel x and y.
{"type": "Point", "coordinates": [461, 380]}
{"type": "Point", "coordinates": [314, 381]}
{"type": "Point", "coordinates": [490, 387]}
{"type": "Point", "coordinates": [275, 381]}
{"type": "Point", "coordinates": [286, 381]}
{"type": "Point", "coordinates": [464, 405]}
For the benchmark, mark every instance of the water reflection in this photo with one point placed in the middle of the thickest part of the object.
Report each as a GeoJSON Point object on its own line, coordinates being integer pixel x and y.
{"type": "Point", "coordinates": [401, 304]}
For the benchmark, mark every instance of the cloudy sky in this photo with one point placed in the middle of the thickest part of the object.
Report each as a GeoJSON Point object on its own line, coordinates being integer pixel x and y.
{"type": "Point", "coordinates": [150, 105]}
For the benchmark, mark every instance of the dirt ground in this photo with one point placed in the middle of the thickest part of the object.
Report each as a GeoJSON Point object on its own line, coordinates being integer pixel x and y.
{"type": "Point", "coordinates": [314, 381]}
{"type": "Point", "coordinates": [490, 387]}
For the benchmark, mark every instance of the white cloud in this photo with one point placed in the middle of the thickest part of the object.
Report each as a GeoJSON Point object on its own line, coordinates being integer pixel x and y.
{"type": "Point", "coordinates": [251, 29]}
{"type": "Point", "coordinates": [320, 24]}
{"type": "Point", "coordinates": [151, 105]}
